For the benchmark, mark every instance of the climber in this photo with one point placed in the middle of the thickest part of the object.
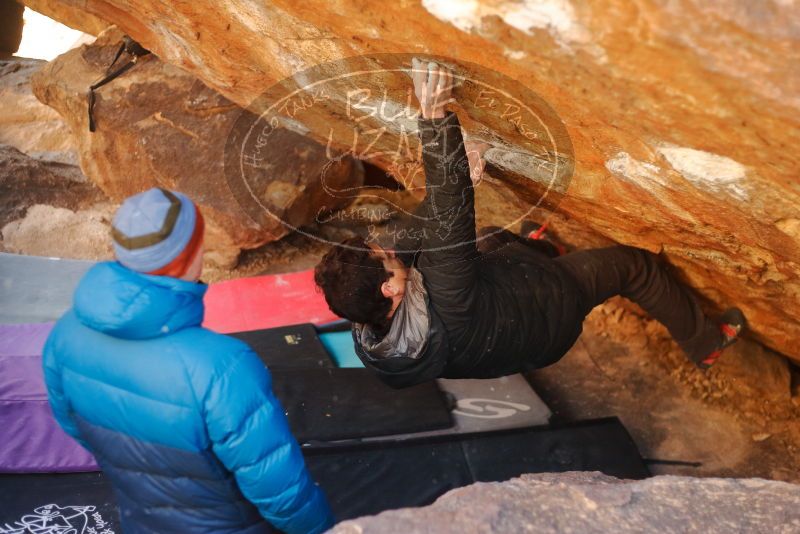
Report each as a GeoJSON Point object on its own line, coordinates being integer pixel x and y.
{"type": "Point", "coordinates": [459, 309]}
{"type": "Point", "coordinates": [182, 420]}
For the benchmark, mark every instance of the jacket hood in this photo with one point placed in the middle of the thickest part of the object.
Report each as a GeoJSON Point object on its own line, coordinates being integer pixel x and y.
{"type": "Point", "coordinates": [123, 303]}
{"type": "Point", "coordinates": [408, 335]}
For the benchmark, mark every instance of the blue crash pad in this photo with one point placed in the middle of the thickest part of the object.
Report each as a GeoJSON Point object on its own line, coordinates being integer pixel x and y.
{"type": "Point", "coordinates": [340, 346]}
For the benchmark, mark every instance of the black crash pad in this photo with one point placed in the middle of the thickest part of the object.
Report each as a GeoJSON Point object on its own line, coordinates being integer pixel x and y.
{"type": "Point", "coordinates": [324, 402]}
{"type": "Point", "coordinates": [367, 478]}
{"type": "Point", "coordinates": [288, 347]}
{"type": "Point", "coordinates": [338, 404]}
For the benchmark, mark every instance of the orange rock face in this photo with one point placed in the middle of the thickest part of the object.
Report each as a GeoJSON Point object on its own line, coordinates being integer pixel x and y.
{"type": "Point", "coordinates": [682, 116]}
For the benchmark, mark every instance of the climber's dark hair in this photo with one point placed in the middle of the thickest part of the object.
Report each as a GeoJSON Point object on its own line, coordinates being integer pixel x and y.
{"type": "Point", "coordinates": [351, 276]}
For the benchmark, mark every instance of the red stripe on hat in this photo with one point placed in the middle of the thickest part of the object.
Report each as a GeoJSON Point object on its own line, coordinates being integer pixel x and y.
{"type": "Point", "coordinates": [178, 267]}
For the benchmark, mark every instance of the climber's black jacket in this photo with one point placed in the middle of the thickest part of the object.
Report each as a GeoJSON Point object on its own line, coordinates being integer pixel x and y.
{"type": "Point", "coordinates": [470, 314]}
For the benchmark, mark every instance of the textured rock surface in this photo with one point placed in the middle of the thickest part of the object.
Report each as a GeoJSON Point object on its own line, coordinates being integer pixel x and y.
{"type": "Point", "coordinates": [25, 182]}
{"type": "Point", "coordinates": [10, 28]}
{"type": "Point", "coordinates": [72, 15]}
{"type": "Point", "coordinates": [159, 126]}
{"type": "Point", "coordinates": [592, 502]}
{"type": "Point", "coordinates": [26, 123]}
{"type": "Point", "coordinates": [51, 209]}
{"type": "Point", "coordinates": [60, 232]}
{"type": "Point", "coordinates": [757, 371]}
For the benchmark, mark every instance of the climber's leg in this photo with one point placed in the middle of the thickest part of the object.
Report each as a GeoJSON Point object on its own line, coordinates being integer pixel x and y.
{"type": "Point", "coordinates": [493, 237]}
{"type": "Point", "coordinates": [639, 276]}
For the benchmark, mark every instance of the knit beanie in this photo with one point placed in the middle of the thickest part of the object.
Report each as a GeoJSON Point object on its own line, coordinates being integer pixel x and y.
{"type": "Point", "coordinates": [157, 232]}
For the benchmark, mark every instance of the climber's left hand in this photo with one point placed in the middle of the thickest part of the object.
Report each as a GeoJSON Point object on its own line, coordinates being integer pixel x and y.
{"type": "Point", "coordinates": [433, 85]}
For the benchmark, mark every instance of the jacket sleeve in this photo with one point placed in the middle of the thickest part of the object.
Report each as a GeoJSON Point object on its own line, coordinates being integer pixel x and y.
{"type": "Point", "coordinates": [55, 393]}
{"type": "Point", "coordinates": [410, 243]}
{"type": "Point", "coordinates": [448, 261]}
{"type": "Point", "coordinates": [251, 437]}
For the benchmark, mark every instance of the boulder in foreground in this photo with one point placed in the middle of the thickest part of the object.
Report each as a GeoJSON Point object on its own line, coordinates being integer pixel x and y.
{"type": "Point", "coordinates": [596, 503]}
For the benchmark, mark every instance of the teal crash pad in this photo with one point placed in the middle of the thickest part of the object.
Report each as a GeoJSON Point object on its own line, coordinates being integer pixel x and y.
{"type": "Point", "coordinates": [340, 346]}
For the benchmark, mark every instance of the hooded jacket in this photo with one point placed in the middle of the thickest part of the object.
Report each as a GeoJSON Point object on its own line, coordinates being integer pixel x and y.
{"type": "Point", "coordinates": [488, 313]}
{"type": "Point", "coordinates": [182, 420]}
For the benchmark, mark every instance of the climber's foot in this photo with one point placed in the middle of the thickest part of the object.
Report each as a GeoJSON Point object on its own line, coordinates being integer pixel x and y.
{"type": "Point", "coordinates": [536, 231]}
{"type": "Point", "coordinates": [532, 230]}
{"type": "Point", "coordinates": [732, 323]}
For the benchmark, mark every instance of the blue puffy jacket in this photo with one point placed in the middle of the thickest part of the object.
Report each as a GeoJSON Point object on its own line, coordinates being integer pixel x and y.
{"type": "Point", "coordinates": [182, 420]}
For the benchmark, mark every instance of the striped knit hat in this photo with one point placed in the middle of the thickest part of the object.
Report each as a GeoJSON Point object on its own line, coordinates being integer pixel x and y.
{"type": "Point", "coordinates": [157, 232]}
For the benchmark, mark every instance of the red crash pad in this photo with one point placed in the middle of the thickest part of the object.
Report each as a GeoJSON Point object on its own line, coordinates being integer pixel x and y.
{"type": "Point", "coordinates": [266, 301]}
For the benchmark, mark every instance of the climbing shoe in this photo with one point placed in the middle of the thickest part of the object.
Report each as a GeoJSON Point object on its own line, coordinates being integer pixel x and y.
{"type": "Point", "coordinates": [732, 323]}
{"type": "Point", "coordinates": [538, 232]}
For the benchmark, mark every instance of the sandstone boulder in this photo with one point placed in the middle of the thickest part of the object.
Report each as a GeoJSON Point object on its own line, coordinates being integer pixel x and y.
{"type": "Point", "coordinates": [683, 115]}
{"type": "Point", "coordinates": [72, 15]}
{"type": "Point", "coordinates": [51, 209]}
{"type": "Point", "coordinates": [26, 123]}
{"type": "Point", "coordinates": [159, 126]}
{"type": "Point", "coordinates": [592, 502]}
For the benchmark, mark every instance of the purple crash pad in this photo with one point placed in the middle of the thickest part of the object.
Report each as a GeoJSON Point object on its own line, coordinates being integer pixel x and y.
{"type": "Point", "coordinates": [32, 440]}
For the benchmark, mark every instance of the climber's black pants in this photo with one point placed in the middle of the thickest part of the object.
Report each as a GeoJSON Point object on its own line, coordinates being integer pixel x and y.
{"type": "Point", "coordinates": [641, 277]}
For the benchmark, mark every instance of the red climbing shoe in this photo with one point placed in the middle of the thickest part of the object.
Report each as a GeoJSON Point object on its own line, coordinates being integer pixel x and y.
{"type": "Point", "coordinates": [536, 231]}
{"type": "Point", "coordinates": [731, 325]}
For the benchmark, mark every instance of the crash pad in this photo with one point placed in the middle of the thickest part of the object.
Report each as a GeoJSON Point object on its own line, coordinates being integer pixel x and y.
{"type": "Point", "coordinates": [37, 289]}
{"type": "Point", "coordinates": [31, 439]}
{"type": "Point", "coordinates": [264, 302]}
{"type": "Point", "coordinates": [478, 405]}
{"type": "Point", "coordinates": [340, 347]}
{"type": "Point", "coordinates": [321, 403]}
{"type": "Point", "coordinates": [288, 347]}
{"type": "Point", "coordinates": [368, 478]}
{"type": "Point", "coordinates": [338, 404]}
{"type": "Point", "coordinates": [493, 404]}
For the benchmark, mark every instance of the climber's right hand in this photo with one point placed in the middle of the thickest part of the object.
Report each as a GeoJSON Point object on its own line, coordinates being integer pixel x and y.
{"type": "Point", "coordinates": [477, 164]}
{"type": "Point", "coordinates": [433, 85]}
